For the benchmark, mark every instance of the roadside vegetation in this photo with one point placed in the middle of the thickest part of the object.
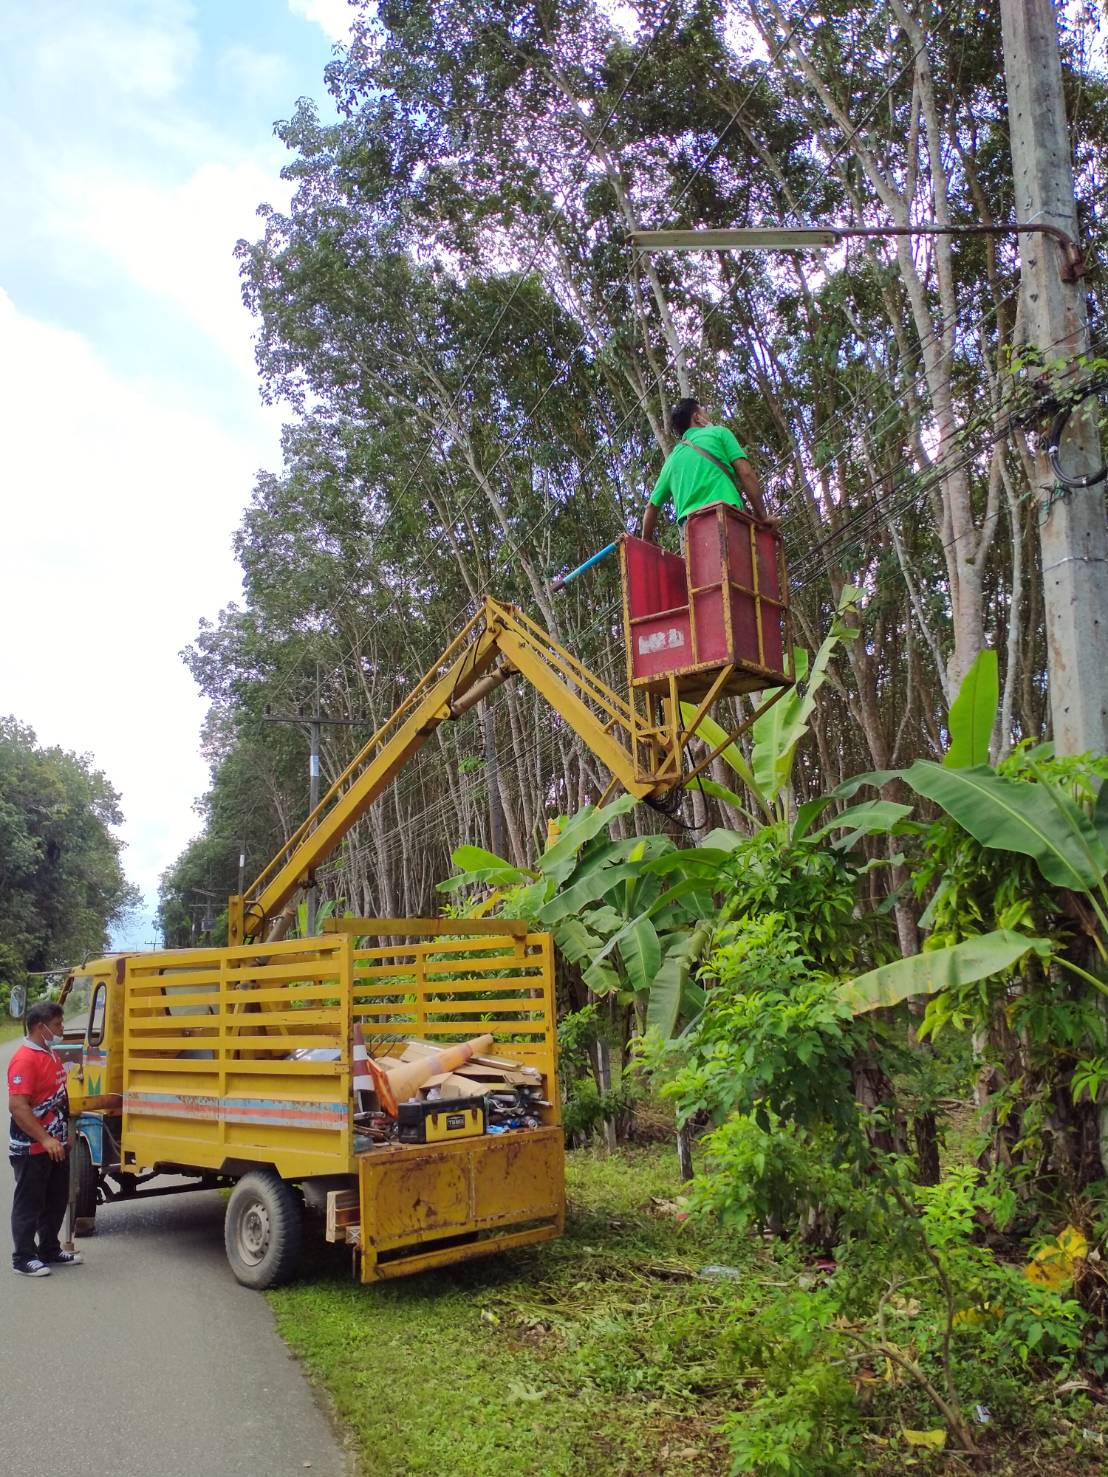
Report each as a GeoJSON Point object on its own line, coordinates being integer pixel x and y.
{"type": "Point", "coordinates": [62, 883]}
{"type": "Point", "coordinates": [645, 1344]}
{"type": "Point", "coordinates": [924, 1126]}
{"type": "Point", "coordinates": [900, 1186]}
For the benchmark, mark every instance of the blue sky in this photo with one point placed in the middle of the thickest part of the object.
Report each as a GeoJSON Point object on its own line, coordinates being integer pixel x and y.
{"type": "Point", "coordinates": [138, 143]}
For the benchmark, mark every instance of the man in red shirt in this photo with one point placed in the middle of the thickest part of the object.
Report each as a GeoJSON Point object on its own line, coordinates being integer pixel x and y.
{"type": "Point", "coordinates": [38, 1144]}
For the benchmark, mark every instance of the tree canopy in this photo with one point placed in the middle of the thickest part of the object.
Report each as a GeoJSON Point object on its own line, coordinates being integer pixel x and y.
{"type": "Point", "coordinates": [479, 371]}
{"type": "Point", "coordinates": [62, 883]}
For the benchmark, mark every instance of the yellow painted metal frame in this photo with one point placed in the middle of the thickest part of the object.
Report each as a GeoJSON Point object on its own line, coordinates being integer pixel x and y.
{"type": "Point", "coordinates": [442, 989]}
{"type": "Point", "coordinates": [427, 1205]}
{"type": "Point", "coordinates": [432, 1205]}
{"type": "Point", "coordinates": [640, 740]}
{"type": "Point", "coordinates": [207, 1084]}
{"type": "Point", "coordinates": [206, 1034]}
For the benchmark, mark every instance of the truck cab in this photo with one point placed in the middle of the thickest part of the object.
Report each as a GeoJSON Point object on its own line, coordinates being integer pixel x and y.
{"type": "Point", "coordinates": [92, 1050]}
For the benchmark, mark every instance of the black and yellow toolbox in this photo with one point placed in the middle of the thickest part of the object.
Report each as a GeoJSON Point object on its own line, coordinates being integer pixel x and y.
{"type": "Point", "coordinates": [444, 1118]}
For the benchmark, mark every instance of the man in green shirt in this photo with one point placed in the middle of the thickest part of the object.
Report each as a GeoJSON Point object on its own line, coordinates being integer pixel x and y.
{"type": "Point", "coordinates": [693, 478]}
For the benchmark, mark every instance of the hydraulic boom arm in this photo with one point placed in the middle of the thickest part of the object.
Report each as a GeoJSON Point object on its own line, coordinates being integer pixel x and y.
{"type": "Point", "coordinates": [498, 643]}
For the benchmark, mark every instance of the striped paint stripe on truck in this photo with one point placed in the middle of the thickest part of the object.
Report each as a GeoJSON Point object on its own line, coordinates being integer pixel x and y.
{"type": "Point", "coordinates": [282, 1112]}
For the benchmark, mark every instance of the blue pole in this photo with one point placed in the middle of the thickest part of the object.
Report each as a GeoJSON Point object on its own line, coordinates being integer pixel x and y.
{"type": "Point", "coordinates": [560, 581]}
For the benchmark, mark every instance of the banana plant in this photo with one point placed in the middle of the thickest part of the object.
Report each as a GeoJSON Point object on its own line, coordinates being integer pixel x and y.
{"type": "Point", "coordinates": [634, 915]}
{"type": "Point", "coordinates": [323, 912]}
{"type": "Point", "coordinates": [1034, 817]}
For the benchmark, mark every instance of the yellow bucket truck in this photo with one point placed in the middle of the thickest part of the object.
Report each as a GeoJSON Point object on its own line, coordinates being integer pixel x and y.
{"type": "Point", "coordinates": [238, 1066]}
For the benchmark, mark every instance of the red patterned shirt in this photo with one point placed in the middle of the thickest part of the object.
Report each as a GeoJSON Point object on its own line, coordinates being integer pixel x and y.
{"type": "Point", "coordinates": [35, 1072]}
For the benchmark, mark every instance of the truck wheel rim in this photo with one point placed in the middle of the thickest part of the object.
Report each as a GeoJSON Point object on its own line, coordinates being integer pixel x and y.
{"type": "Point", "coordinates": [253, 1235]}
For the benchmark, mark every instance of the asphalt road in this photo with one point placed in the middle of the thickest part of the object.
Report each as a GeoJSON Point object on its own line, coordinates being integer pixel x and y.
{"type": "Point", "coordinates": [150, 1360]}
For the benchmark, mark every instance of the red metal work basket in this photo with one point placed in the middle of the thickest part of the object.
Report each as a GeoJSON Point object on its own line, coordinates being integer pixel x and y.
{"type": "Point", "coordinates": [725, 604]}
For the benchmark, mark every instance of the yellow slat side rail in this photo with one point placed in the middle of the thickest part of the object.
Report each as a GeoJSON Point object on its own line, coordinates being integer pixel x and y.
{"type": "Point", "coordinates": [169, 962]}
{"type": "Point", "coordinates": [273, 1015]}
{"type": "Point", "coordinates": [271, 995]}
{"type": "Point", "coordinates": [189, 979]}
{"type": "Point", "coordinates": [409, 1009]}
{"type": "Point", "coordinates": [447, 987]}
{"type": "Point", "coordinates": [294, 974]}
{"type": "Point", "coordinates": [504, 1031]}
{"type": "Point", "coordinates": [508, 1010]}
{"type": "Point", "coordinates": [266, 1065]}
{"type": "Point", "coordinates": [417, 927]}
{"type": "Point", "coordinates": [273, 1044]}
{"type": "Point", "coordinates": [402, 966]}
{"type": "Point", "coordinates": [447, 945]}
{"type": "Point", "coordinates": [387, 985]}
{"type": "Point", "coordinates": [196, 1007]}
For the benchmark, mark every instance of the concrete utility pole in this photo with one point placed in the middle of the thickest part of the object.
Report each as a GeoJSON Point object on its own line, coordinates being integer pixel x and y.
{"type": "Point", "coordinates": [1073, 533]}
{"type": "Point", "coordinates": [313, 722]}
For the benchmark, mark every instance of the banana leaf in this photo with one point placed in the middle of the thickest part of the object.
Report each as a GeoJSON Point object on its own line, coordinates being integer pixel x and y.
{"type": "Point", "coordinates": [777, 733]}
{"type": "Point", "coordinates": [589, 889]}
{"type": "Point", "coordinates": [1018, 815]}
{"type": "Point", "coordinates": [874, 777]}
{"type": "Point", "coordinates": [641, 953]}
{"type": "Point", "coordinates": [575, 941]}
{"type": "Point", "coordinates": [973, 714]}
{"type": "Point", "coordinates": [602, 978]}
{"type": "Point", "coordinates": [672, 979]}
{"type": "Point", "coordinates": [688, 888]}
{"type": "Point", "coordinates": [471, 858]}
{"type": "Point", "coordinates": [807, 815]}
{"type": "Point", "coordinates": [721, 792]}
{"type": "Point", "coordinates": [871, 818]}
{"type": "Point", "coordinates": [1100, 814]}
{"type": "Point", "coordinates": [939, 969]}
{"type": "Point", "coordinates": [713, 735]}
{"type": "Point", "coordinates": [561, 858]}
{"type": "Point", "coordinates": [721, 839]}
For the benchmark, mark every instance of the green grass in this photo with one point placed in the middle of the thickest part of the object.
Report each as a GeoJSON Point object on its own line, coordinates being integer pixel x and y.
{"type": "Point", "coordinates": [9, 1029]}
{"type": "Point", "coordinates": [603, 1354]}
{"type": "Point", "coordinates": [599, 1354]}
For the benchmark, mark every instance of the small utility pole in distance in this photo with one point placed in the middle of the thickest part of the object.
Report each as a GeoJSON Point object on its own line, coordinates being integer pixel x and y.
{"type": "Point", "coordinates": [313, 722]}
{"type": "Point", "coordinates": [1073, 533]}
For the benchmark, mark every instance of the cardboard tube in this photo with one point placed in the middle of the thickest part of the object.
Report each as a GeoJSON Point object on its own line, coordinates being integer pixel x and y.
{"type": "Point", "coordinates": [396, 1087]}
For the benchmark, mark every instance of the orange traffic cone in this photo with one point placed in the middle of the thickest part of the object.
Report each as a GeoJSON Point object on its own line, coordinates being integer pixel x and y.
{"type": "Point", "coordinates": [396, 1087]}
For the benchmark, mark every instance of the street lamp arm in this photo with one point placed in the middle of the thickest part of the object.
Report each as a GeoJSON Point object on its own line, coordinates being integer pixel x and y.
{"type": "Point", "coordinates": [815, 238]}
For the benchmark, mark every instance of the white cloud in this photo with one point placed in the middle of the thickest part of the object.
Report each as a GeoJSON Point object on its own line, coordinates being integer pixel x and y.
{"type": "Point", "coordinates": [130, 188]}
{"type": "Point", "coordinates": [333, 17]}
{"type": "Point", "coordinates": [118, 509]}
{"type": "Point", "coordinates": [130, 169]}
{"type": "Point", "coordinates": [176, 241]}
{"type": "Point", "coordinates": [125, 49]}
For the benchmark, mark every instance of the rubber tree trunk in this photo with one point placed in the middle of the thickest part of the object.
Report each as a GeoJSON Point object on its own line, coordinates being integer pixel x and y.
{"type": "Point", "coordinates": [684, 1151]}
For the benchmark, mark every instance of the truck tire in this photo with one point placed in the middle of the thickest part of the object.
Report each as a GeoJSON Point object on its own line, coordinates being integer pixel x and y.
{"type": "Point", "coordinates": [263, 1229]}
{"type": "Point", "coordinates": [87, 1184]}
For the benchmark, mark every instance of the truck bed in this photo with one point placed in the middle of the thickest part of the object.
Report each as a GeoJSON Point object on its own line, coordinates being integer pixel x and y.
{"type": "Point", "coordinates": [208, 1079]}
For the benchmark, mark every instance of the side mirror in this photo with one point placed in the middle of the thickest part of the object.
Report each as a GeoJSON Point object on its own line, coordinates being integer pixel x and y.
{"type": "Point", "coordinates": [17, 1002]}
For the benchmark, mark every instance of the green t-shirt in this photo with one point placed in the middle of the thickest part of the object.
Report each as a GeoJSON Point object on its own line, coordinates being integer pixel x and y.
{"type": "Point", "coordinates": [692, 480]}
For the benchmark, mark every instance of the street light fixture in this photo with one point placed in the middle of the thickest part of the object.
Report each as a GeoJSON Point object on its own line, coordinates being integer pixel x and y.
{"type": "Point", "coordinates": [817, 238]}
